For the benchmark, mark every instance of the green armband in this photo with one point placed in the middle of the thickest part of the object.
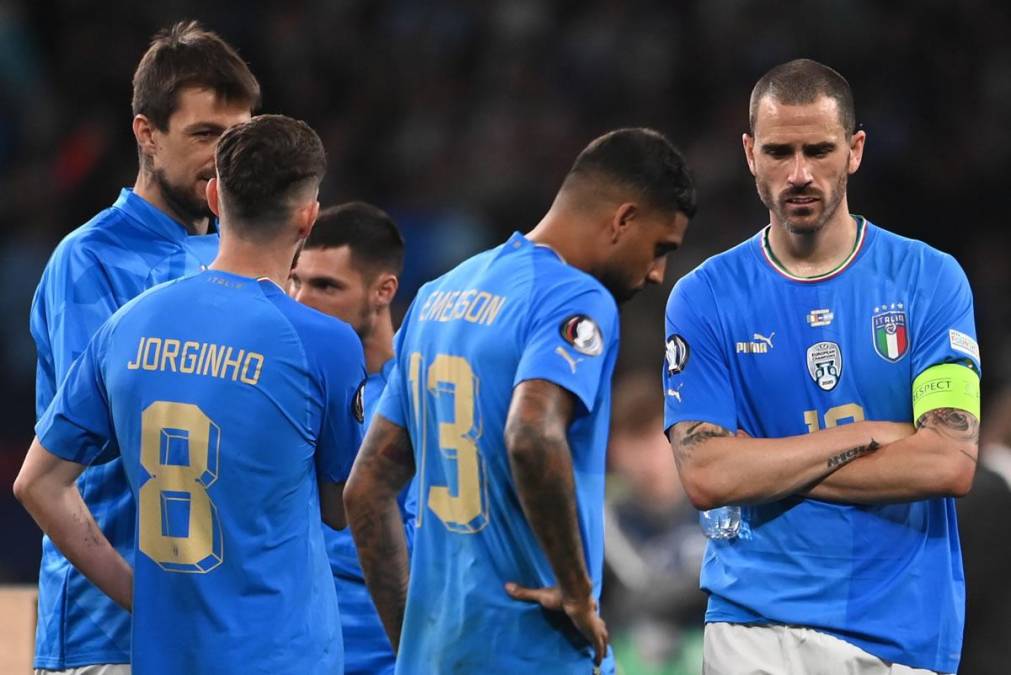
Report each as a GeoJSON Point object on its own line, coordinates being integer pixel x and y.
{"type": "Point", "coordinates": [948, 385]}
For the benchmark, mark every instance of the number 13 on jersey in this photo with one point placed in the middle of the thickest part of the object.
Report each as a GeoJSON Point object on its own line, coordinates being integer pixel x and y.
{"type": "Point", "coordinates": [450, 386]}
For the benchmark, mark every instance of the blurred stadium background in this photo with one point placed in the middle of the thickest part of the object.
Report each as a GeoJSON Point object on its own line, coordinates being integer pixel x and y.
{"type": "Point", "coordinates": [460, 118]}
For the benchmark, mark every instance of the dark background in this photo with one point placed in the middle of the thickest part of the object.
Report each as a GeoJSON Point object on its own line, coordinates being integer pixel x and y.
{"type": "Point", "coordinates": [461, 118]}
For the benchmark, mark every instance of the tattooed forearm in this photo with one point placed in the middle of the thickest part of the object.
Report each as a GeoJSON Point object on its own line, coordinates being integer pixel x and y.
{"type": "Point", "coordinates": [848, 456]}
{"type": "Point", "coordinates": [541, 464]}
{"type": "Point", "coordinates": [384, 466]}
{"type": "Point", "coordinates": [686, 436]}
{"type": "Point", "coordinates": [955, 425]}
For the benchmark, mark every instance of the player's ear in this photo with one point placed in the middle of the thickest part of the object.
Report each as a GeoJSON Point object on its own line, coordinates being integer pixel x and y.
{"type": "Point", "coordinates": [386, 288]}
{"type": "Point", "coordinates": [748, 141]}
{"type": "Point", "coordinates": [306, 217]}
{"type": "Point", "coordinates": [622, 220]}
{"type": "Point", "coordinates": [143, 132]}
{"type": "Point", "coordinates": [213, 196]}
{"type": "Point", "coordinates": [857, 150]}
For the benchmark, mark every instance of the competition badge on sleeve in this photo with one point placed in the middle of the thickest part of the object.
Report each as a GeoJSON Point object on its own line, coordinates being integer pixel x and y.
{"type": "Point", "coordinates": [889, 331]}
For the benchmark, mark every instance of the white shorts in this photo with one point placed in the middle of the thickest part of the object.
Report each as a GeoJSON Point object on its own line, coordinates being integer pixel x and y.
{"type": "Point", "coordinates": [104, 669]}
{"type": "Point", "coordinates": [746, 649]}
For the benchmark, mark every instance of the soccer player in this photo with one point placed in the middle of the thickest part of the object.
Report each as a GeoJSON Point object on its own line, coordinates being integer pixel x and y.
{"type": "Point", "coordinates": [500, 401]}
{"type": "Point", "coordinates": [847, 559]}
{"type": "Point", "coordinates": [228, 402]}
{"type": "Point", "coordinates": [188, 88]}
{"type": "Point", "coordinates": [350, 268]}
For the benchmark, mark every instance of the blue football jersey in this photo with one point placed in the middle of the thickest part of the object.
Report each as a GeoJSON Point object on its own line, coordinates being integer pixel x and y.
{"type": "Point", "coordinates": [95, 270]}
{"type": "Point", "coordinates": [514, 313]}
{"type": "Point", "coordinates": [227, 400]}
{"type": "Point", "coordinates": [367, 649]}
{"type": "Point", "coordinates": [751, 348]}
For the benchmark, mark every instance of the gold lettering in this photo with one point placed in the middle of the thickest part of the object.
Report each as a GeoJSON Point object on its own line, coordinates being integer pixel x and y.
{"type": "Point", "coordinates": [491, 313]}
{"type": "Point", "coordinates": [188, 361]}
{"type": "Point", "coordinates": [250, 358]}
{"type": "Point", "coordinates": [462, 304]}
{"type": "Point", "coordinates": [447, 305]}
{"type": "Point", "coordinates": [135, 364]}
{"type": "Point", "coordinates": [212, 364]}
{"type": "Point", "coordinates": [169, 352]}
{"type": "Point", "coordinates": [232, 363]}
{"type": "Point", "coordinates": [432, 298]}
{"type": "Point", "coordinates": [151, 349]}
{"type": "Point", "coordinates": [477, 306]}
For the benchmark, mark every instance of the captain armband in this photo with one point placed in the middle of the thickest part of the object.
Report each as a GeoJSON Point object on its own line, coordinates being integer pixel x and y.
{"type": "Point", "coordinates": [948, 385]}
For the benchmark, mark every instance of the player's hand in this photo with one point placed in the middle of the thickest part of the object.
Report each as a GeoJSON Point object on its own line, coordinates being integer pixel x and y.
{"type": "Point", "coordinates": [582, 613]}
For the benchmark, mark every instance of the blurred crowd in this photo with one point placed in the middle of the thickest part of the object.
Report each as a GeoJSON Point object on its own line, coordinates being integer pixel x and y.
{"type": "Point", "coordinates": [460, 119]}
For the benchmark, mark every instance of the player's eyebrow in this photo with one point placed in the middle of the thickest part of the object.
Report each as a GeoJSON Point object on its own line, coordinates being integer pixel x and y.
{"type": "Point", "coordinates": [665, 247]}
{"type": "Point", "coordinates": [198, 127]}
{"type": "Point", "coordinates": [824, 147]}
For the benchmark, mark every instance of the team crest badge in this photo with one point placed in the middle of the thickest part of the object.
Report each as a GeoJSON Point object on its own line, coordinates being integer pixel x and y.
{"type": "Point", "coordinates": [824, 363]}
{"type": "Point", "coordinates": [582, 333]}
{"type": "Point", "coordinates": [891, 340]}
{"type": "Point", "coordinates": [677, 354]}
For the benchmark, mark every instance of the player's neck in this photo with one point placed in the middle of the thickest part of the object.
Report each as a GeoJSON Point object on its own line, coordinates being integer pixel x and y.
{"type": "Point", "coordinates": [813, 254]}
{"type": "Point", "coordinates": [378, 344]}
{"type": "Point", "coordinates": [255, 260]}
{"type": "Point", "coordinates": [553, 233]}
{"type": "Point", "coordinates": [147, 188]}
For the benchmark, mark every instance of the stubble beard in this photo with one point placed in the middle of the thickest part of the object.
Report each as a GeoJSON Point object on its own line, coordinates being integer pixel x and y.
{"type": "Point", "coordinates": [830, 202]}
{"type": "Point", "coordinates": [184, 202]}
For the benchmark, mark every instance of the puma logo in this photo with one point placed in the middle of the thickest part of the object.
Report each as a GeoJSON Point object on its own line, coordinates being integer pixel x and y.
{"type": "Point", "coordinates": [761, 338]}
{"type": "Point", "coordinates": [568, 358]}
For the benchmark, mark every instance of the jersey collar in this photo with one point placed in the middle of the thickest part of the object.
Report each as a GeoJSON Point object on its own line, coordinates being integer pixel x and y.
{"type": "Point", "coordinates": [771, 259]}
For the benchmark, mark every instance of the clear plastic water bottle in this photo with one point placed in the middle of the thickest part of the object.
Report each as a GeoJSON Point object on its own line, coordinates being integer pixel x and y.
{"type": "Point", "coordinates": [721, 523]}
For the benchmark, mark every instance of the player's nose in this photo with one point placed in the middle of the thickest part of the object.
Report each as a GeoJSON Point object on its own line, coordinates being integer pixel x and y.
{"type": "Point", "coordinates": [656, 271]}
{"type": "Point", "coordinates": [800, 171]}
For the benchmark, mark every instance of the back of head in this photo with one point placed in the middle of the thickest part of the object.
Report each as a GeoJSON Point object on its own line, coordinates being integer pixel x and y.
{"type": "Point", "coordinates": [186, 55]}
{"type": "Point", "coordinates": [267, 167]}
{"type": "Point", "coordinates": [641, 161]}
{"type": "Point", "coordinates": [375, 242]}
{"type": "Point", "coordinates": [803, 81]}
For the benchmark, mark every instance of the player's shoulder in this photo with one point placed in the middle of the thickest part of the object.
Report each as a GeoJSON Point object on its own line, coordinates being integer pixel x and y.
{"type": "Point", "coordinates": [719, 273]}
{"type": "Point", "coordinates": [323, 337]}
{"type": "Point", "coordinates": [929, 260]}
{"type": "Point", "coordinates": [95, 240]}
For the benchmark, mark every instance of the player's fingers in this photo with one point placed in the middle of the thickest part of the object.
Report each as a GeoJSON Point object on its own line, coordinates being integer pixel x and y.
{"type": "Point", "coordinates": [599, 640]}
{"type": "Point", "coordinates": [541, 596]}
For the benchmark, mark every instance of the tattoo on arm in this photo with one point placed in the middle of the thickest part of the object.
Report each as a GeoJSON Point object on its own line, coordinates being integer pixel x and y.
{"type": "Point", "coordinates": [686, 436]}
{"type": "Point", "coordinates": [953, 424]}
{"type": "Point", "coordinates": [541, 463]}
{"type": "Point", "coordinates": [384, 465]}
{"type": "Point", "coordinates": [847, 456]}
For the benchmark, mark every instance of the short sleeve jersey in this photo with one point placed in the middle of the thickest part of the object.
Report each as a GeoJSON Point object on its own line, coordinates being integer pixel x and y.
{"type": "Point", "coordinates": [123, 251]}
{"type": "Point", "coordinates": [511, 314]}
{"type": "Point", "coordinates": [228, 401]}
{"type": "Point", "coordinates": [750, 347]}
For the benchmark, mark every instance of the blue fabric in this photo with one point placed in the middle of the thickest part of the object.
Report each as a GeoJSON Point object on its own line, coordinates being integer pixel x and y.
{"type": "Point", "coordinates": [469, 338]}
{"type": "Point", "coordinates": [96, 269]}
{"type": "Point", "coordinates": [227, 399]}
{"type": "Point", "coordinates": [887, 578]}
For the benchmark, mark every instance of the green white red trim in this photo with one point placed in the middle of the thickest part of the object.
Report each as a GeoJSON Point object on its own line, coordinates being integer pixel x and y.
{"type": "Point", "coordinates": [836, 271]}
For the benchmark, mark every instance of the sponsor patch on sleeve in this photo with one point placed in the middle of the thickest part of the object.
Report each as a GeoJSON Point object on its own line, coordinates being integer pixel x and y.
{"type": "Point", "coordinates": [583, 334]}
{"type": "Point", "coordinates": [961, 342]}
{"type": "Point", "coordinates": [358, 404]}
{"type": "Point", "coordinates": [677, 354]}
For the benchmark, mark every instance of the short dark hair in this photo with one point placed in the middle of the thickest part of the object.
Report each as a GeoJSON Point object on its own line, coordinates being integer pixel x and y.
{"type": "Point", "coordinates": [262, 165]}
{"type": "Point", "coordinates": [374, 240]}
{"type": "Point", "coordinates": [803, 81]}
{"type": "Point", "coordinates": [187, 55]}
{"type": "Point", "coordinates": [644, 160]}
